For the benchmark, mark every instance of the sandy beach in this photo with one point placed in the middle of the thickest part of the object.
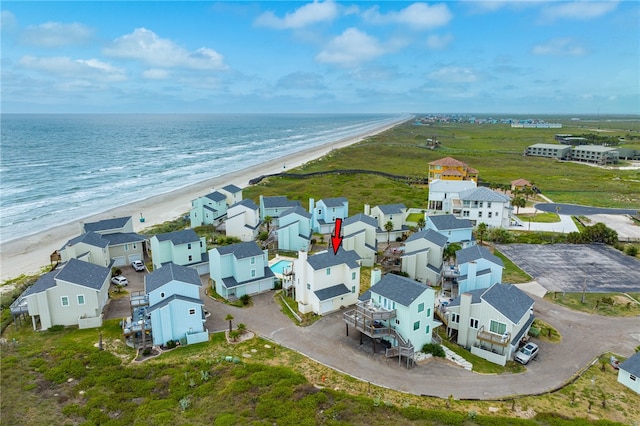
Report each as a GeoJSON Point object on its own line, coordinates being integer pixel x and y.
{"type": "Point", "coordinates": [29, 254]}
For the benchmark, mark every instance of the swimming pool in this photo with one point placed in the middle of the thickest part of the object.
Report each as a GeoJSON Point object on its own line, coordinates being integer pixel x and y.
{"type": "Point", "coordinates": [279, 266]}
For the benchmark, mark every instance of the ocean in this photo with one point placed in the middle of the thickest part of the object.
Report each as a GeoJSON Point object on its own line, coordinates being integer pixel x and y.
{"type": "Point", "coordinates": [59, 168]}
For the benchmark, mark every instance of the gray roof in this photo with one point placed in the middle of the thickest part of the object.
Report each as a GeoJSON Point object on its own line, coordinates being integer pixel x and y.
{"type": "Point", "coordinates": [45, 282]}
{"type": "Point", "coordinates": [170, 272]}
{"type": "Point", "coordinates": [106, 224]}
{"type": "Point", "coordinates": [247, 203]}
{"type": "Point", "coordinates": [392, 208]}
{"type": "Point", "coordinates": [429, 235]}
{"type": "Point", "coordinates": [84, 273]}
{"type": "Point", "coordinates": [449, 221]}
{"type": "Point", "coordinates": [241, 250]}
{"type": "Point", "coordinates": [361, 218]}
{"type": "Point", "coordinates": [334, 202]}
{"type": "Point", "coordinates": [91, 238]}
{"type": "Point", "coordinates": [173, 297]}
{"type": "Point", "coordinates": [297, 210]}
{"type": "Point", "coordinates": [232, 188]}
{"type": "Point", "coordinates": [327, 259]}
{"type": "Point", "coordinates": [632, 365]}
{"type": "Point", "coordinates": [123, 238]}
{"type": "Point", "coordinates": [476, 252]}
{"type": "Point", "coordinates": [475, 297]}
{"type": "Point", "coordinates": [180, 237]}
{"type": "Point", "coordinates": [398, 289]}
{"type": "Point", "coordinates": [216, 196]}
{"type": "Point", "coordinates": [231, 282]}
{"type": "Point", "coordinates": [331, 292]}
{"type": "Point", "coordinates": [483, 194]}
{"type": "Point", "coordinates": [509, 300]}
{"type": "Point", "coordinates": [278, 201]}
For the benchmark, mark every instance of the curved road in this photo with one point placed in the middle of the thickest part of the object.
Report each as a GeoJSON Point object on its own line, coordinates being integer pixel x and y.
{"type": "Point", "coordinates": [576, 210]}
{"type": "Point", "coordinates": [584, 337]}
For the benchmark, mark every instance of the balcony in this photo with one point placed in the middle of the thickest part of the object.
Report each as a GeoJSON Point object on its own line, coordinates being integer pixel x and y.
{"type": "Point", "coordinates": [501, 340]}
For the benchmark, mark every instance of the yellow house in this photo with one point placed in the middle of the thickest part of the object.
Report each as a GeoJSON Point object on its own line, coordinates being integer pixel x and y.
{"type": "Point", "coordinates": [451, 169]}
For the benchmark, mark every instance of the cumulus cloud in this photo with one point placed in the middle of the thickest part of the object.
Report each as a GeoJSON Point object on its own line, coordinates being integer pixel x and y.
{"type": "Point", "coordinates": [73, 68]}
{"type": "Point", "coordinates": [559, 47]}
{"type": "Point", "coordinates": [146, 46]}
{"type": "Point", "coordinates": [8, 21]}
{"type": "Point", "coordinates": [351, 47]}
{"type": "Point", "coordinates": [437, 42]}
{"type": "Point", "coordinates": [578, 10]}
{"type": "Point", "coordinates": [303, 16]}
{"type": "Point", "coordinates": [452, 74]}
{"type": "Point", "coordinates": [56, 34]}
{"type": "Point", "coordinates": [155, 74]}
{"type": "Point", "coordinates": [417, 15]}
{"type": "Point", "coordinates": [301, 80]}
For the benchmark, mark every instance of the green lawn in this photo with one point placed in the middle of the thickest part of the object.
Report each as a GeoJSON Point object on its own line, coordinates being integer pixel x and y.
{"type": "Point", "coordinates": [511, 273]}
{"type": "Point", "coordinates": [610, 304]}
{"type": "Point", "coordinates": [539, 217]}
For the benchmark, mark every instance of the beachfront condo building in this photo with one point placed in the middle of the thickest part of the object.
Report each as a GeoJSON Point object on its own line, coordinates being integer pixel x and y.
{"type": "Point", "coordinates": [451, 169]}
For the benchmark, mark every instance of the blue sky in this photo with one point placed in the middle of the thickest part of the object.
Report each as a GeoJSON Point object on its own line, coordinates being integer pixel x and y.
{"type": "Point", "coordinates": [576, 57]}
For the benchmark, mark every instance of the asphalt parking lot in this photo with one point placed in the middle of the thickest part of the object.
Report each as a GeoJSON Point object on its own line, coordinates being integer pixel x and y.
{"type": "Point", "coordinates": [564, 267]}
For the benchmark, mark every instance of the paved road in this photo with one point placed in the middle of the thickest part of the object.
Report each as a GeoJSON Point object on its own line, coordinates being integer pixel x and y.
{"type": "Point", "coordinates": [585, 337]}
{"type": "Point", "coordinates": [576, 210]}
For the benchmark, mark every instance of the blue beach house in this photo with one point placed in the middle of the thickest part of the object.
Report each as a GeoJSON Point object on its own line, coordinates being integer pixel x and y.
{"type": "Point", "coordinates": [184, 248]}
{"type": "Point", "coordinates": [423, 256]}
{"type": "Point", "coordinates": [325, 212]}
{"type": "Point", "coordinates": [478, 268]}
{"type": "Point", "coordinates": [294, 230]}
{"type": "Point", "coordinates": [208, 210]}
{"type": "Point", "coordinates": [360, 234]}
{"type": "Point", "coordinates": [275, 206]}
{"type": "Point", "coordinates": [456, 230]}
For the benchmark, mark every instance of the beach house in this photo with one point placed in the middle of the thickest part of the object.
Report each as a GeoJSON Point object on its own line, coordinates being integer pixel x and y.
{"type": "Point", "coordinates": [74, 294]}
{"type": "Point", "coordinates": [273, 207]}
{"type": "Point", "coordinates": [396, 309]}
{"type": "Point", "coordinates": [233, 194]}
{"type": "Point", "coordinates": [294, 230]}
{"type": "Point", "coordinates": [360, 235]}
{"type": "Point", "coordinates": [393, 214]}
{"type": "Point", "coordinates": [240, 269]}
{"type": "Point", "coordinates": [629, 372]}
{"type": "Point", "coordinates": [325, 212]}
{"type": "Point", "coordinates": [484, 205]}
{"type": "Point", "coordinates": [175, 306]}
{"type": "Point", "coordinates": [326, 282]}
{"type": "Point", "coordinates": [243, 221]}
{"type": "Point", "coordinates": [451, 169]}
{"type": "Point", "coordinates": [444, 196]}
{"type": "Point", "coordinates": [456, 230]}
{"type": "Point", "coordinates": [183, 247]}
{"type": "Point", "coordinates": [210, 209]}
{"type": "Point", "coordinates": [490, 322]}
{"type": "Point", "coordinates": [423, 256]}
{"type": "Point", "coordinates": [477, 268]}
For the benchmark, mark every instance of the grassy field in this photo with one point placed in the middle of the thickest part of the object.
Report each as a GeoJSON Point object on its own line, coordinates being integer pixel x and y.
{"type": "Point", "coordinates": [511, 273]}
{"type": "Point", "coordinates": [609, 304]}
{"type": "Point", "coordinates": [62, 378]}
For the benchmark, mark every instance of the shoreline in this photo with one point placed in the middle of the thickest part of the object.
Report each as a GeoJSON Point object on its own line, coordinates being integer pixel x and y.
{"type": "Point", "coordinates": [29, 254]}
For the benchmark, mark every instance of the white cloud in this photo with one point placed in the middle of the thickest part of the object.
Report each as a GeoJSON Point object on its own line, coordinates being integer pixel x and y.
{"type": "Point", "coordinates": [73, 68]}
{"type": "Point", "coordinates": [454, 75]}
{"type": "Point", "coordinates": [437, 42]}
{"type": "Point", "coordinates": [301, 80]}
{"type": "Point", "coordinates": [145, 45]}
{"type": "Point", "coordinates": [416, 15]}
{"type": "Point", "coordinates": [155, 74]}
{"type": "Point", "coordinates": [559, 47]}
{"type": "Point", "coordinates": [56, 34]}
{"type": "Point", "coordinates": [305, 15]}
{"type": "Point", "coordinates": [578, 9]}
{"type": "Point", "coordinates": [8, 21]}
{"type": "Point", "coordinates": [350, 48]}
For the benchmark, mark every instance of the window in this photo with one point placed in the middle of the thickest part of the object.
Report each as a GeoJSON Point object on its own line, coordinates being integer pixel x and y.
{"type": "Point", "coordinates": [397, 321]}
{"type": "Point", "coordinates": [253, 260]}
{"type": "Point", "coordinates": [319, 212]}
{"type": "Point", "coordinates": [496, 214]}
{"type": "Point", "coordinates": [353, 275]}
{"type": "Point", "coordinates": [200, 244]}
{"type": "Point", "coordinates": [328, 271]}
{"type": "Point", "coordinates": [479, 214]}
{"type": "Point", "coordinates": [473, 323]}
{"type": "Point", "coordinates": [489, 204]}
{"type": "Point", "coordinates": [64, 300]}
{"type": "Point", "coordinates": [428, 312]}
{"type": "Point", "coordinates": [333, 210]}
{"type": "Point", "coordinates": [192, 311]}
{"type": "Point", "coordinates": [416, 325]}
{"type": "Point", "coordinates": [465, 213]}
{"type": "Point", "coordinates": [489, 215]}
{"type": "Point", "coordinates": [427, 329]}
{"type": "Point", "coordinates": [480, 204]}
{"type": "Point", "coordinates": [632, 377]}
{"type": "Point", "coordinates": [353, 289]}
{"type": "Point", "coordinates": [308, 286]}
{"type": "Point", "coordinates": [497, 327]}
{"type": "Point", "coordinates": [126, 247]}
{"type": "Point", "coordinates": [188, 246]}
{"type": "Point", "coordinates": [421, 307]}
{"type": "Point", "coordinates": [162, 294]}
{"type": "Point", "coordinates": [455, 318]}
{"type": "Point", "coordinates": [81, 299]}
{"type": "Point", "coordinates": [190, 258]}
{"type": "Point", "coordinates": [253, 273]}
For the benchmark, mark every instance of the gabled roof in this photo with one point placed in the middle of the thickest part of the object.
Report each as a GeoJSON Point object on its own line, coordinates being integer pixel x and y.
{"type": "Point", "coordinates": [232, 188]}
{"type": "Point", "coordinates": [448, 161]}
{"type": "Point", "coordinates": [334, 202]}
{"type": "Point", "coordinates": [399, 289]}
{"type": "Point", "coordinates": [429, 235]}
{"type": "Point", "coordinates": [444, 222]}
{"type": "Point", "coordinates": [451, 186]}
{"type": "Point", "coordinates": [327, 259]}
{"type": "Point", "coordinates": [296, 210]}
{"type": "Point", "coordinates": [164, 302]}
{"type": "Point", "coordinates": [632, 365]}
{"type": "Point", "coordinates": [520, 182]}
{"type": "Point", "coordinates": [509, 300]}
{"type": "Point", "coordinates": [90, 238]}
{"type": "Point", "coordinates": [278, 201]}
{"type": "Point", "coordinates": [230, 282]}
{"type": "Point", "coordinates": [216, 196]}
{"type": "Point", "coordinates": [170, 272]}
{"type": "Point", "coordinates": [483, 194]}
{"type": "Point", "coordinates": [331, 292]}
{"type": "Point", "coordinates": [106, 224]}
{"type": "Point", "coordinates": [452, 172]}
{"type": "Point", "coordinates": [360, 218]}
{"type": "Point", "coordinates": [123, 238]}
{"type": "Point", "coordinates": [84, 273]}
{"type": "Point", "coordinates": [241, 250]}
{"type": "Point", "coordinates": [392, 208]}
{"type": "Point", "coordinates": [179, 237]}
{"type": "Point", "coordinates": [476, 252]}
{"type": "Point", "coordinates": [246, 203]}
{"type": "Point", "coordinates": [43, 283]}
{"type": "Point", "coordinates": [475, 297]}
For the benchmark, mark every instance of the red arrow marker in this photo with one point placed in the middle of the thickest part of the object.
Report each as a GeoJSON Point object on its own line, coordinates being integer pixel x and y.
{"type": "Point", "coordinates": [336, 239]}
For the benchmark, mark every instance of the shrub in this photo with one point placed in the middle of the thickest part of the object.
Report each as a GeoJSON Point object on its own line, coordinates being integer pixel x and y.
{"type": "Point", "coordinates": [245, 299]}
{"type": "Point", "coordinates": [263, 236]}
{"type": "Point", "coordinates": [56, 328]}
{"type": "Point", "coordinates": [434, 349]}
{"type": "Point", "coordinates": [115, 271]}
{"type": "Point", "coordinates": [171, 344]}
{"type": "Point", "coordinates": [631, 250]}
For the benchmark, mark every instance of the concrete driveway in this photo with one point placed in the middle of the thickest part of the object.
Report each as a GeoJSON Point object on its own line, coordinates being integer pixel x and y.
{"type": "Point", "coordinates": [584, 337]}
{"type": "Point", "coordinates": [120, 308]}
{"type": "Point", "coordinates": [564, 267]}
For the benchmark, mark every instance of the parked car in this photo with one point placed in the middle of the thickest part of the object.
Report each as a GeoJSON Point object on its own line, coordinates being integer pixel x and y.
{"type": "Point", "coordinates": [527, 353]}
{"type": "Point", "coordinates": [120, 280]}
{"type": "Point", "coordinates": [138, 265]}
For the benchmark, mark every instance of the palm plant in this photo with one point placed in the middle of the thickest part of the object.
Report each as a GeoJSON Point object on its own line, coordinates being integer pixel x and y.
{"type": "Point", "coordinates": [229, 318]}
{"type": "Point", "coordinates": [481, 231]}
{"type": "Point", "coordinates": [388, 227]}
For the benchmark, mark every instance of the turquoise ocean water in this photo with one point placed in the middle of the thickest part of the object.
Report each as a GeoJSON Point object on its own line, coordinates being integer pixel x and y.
{"type": "Point", "coordinates": [59, 168]}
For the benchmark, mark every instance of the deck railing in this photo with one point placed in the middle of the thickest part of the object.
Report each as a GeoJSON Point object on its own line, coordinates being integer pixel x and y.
{"type": "Point", "coordinates": [494, 338]}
